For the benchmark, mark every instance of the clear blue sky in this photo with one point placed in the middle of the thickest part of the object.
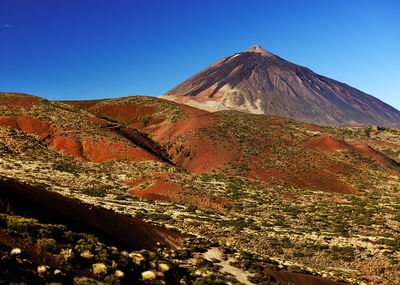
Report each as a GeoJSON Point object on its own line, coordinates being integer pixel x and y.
{"type": "Point", "coordinates": [83, 49]}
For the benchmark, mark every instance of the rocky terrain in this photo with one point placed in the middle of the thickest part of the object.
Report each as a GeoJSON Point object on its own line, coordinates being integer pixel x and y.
{"type": "Point", "coordinates": [259, 82]}
{"type": "Point", "coordinates": [144, 190]}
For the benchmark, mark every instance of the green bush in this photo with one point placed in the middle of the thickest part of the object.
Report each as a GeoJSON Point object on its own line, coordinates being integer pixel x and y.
{"type": "Point", "coordinates": [368, 132]}
{"type": "Point", "coordinates": [19, 224]}
{"type": "Point", "coordinates": [94, 192]}
{"type": "Point", "coordinates": [64, 166]}
{"type": "Point", "coordinates": [47, 244]}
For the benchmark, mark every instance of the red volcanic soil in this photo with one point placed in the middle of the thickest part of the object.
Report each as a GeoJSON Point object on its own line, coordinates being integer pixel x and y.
{"type": "Point", "coordinates": [207, 152]}
{"type": "Point", "coordinates": [312, 127]}
{"type": "Point", "coordinates": [165, 190]}
{"type": "Point", "coordinates": [46, 131]}
{"type": "Point", "coordinates": [288, 195]}
{"type": "Point", "coordinates": [134, 115]}
{"type": "Point", "coordinates": [137, 138]}
{"type": "Point", "coordinates": [101, 122]}
{"type": "Point", "coordinates": [85, 104]}
{"type": "Point", "coordinates": [189, 110]}
{"type": "Point", "coordinates": [99, 151]}
{"type": "Point", "coordinates": [68, 145]}
{"type": "Point", "coordinates": [161, 190]}
{"type": "Point", "coordinates": [181, 128]}
{"type": "Point", "coordinates": [22, 101]}
{"type": "Point", "coordinates": [207, 157]}
{"type": "Point", "coordinates": [29, 125]}
{"type": "Point", "coordinates": [197, 154]}
{"type": "Point", "coordinates": [327, 144]}
{"type": "Point", "coordinates": [135, 182]}
{"type": "Point", "coordinates": [368, 152]}
{"type": "Point", "coordinates": [321, 180]}
{"type": "Point", "coordinates": [104, 150]}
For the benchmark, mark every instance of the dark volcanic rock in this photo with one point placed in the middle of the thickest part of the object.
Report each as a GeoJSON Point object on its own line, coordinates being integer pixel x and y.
{"type": "Point", "coordinates": [259, 82]}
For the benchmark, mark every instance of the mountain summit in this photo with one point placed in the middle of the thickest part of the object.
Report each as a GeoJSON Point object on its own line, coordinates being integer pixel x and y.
{"type": "Point", "coordinates": [258, 49]}
{"type": "Point", "coordinates": [257, 81]}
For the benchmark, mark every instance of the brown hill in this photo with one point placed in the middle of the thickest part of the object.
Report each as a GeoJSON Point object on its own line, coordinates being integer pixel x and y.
{"type": "Point", "coordinates": [267, 148]}
{"type": "Point", "coordinates": [74, 131]}
{"type": "Point", "coordinates": [257, 81]}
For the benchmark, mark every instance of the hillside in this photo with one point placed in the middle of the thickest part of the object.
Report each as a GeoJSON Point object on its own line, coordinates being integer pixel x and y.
{"type": "Point", "coordinates": [268, 148]}
{"type": "Point", "coordinates": [303, 179]}
{"type": "Point", "coordinates": [259, 82]}
{"type": "Point", "coordinates": [276, 199]}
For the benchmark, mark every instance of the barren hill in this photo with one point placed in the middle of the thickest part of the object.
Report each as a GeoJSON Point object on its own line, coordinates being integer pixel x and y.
{"type": "Point", "coordinates": [74, 131]}
{"type": "Point", "coordinates": [259, 82]}
{"type": "Point", "coordinates": [267, 148]}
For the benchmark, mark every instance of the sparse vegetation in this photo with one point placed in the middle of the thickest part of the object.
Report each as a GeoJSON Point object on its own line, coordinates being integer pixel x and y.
{"type": "Point", "coordinates": [279, 221]}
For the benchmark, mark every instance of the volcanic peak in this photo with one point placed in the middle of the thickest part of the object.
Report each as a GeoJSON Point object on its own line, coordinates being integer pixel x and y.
{"type": "Point", "coordinates": [260, 50]}
{"type": "Point", "coordinates": [257, 81]}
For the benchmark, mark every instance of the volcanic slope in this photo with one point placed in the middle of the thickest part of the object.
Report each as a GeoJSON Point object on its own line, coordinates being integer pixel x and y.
{"type": "Point", "coordinates": [267, 148]}
{"type": "Point", "coordinates": [268, 231]}
{"type": "Point", "coordinates": [257, 81]}
{"type": "Point", "coordinates": [75, 131]}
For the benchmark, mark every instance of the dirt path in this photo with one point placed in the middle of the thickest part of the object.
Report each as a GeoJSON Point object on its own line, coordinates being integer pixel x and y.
{"type": "Point", "coordinates": [240, 274]}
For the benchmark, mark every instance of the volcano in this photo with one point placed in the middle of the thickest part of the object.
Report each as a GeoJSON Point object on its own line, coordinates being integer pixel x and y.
{"type": "Point", "coordinates": [259, 82]}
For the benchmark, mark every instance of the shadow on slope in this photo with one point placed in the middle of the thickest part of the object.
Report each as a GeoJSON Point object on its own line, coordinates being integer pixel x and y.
{"type": "Point", "coordinates": [50, 207]}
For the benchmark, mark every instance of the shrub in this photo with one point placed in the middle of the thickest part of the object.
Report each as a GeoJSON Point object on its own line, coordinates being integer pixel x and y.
{"type": "Point", "coordinates": [368, 132]}
{"type": "Point", "coordinates": [191, 209]}
{"type": "Point", "coordinates": [47, 244]}
{"type": "Point", "coordinates": [19, 224]}
{"type": "Point", "coordinates": [94, 192]}
{"type": "Point", "coordinates": [64, 166]}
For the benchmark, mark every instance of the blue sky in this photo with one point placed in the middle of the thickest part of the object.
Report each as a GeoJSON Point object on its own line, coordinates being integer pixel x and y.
{"type": "Point", "coordinates": [84, 49]}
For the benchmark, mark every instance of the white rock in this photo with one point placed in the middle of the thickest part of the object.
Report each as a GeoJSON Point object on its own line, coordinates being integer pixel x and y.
{"type": "Point", "coordinates": [15, 251]}
{"type": "Point", "coordinates": [66, 253]}
{"type": "Point", "coordinates": [197, 272]}
{"type": "Point", "coordinates": [152, 264]}
{"type": "Point", "coordinates": [119, 273]}
{"type": "Point", "coordinates": [41, 268]}
{"type": "Point", "coordinates": [87, 254]}
{"type": "Point", "coordinates": [99, 268]}
{"type": "Point", "coordinates": [163, 267]}
{"type": "Point", "coordinates": [136, 257]}
{"type": "Point", "coordinates": [149, 275]}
